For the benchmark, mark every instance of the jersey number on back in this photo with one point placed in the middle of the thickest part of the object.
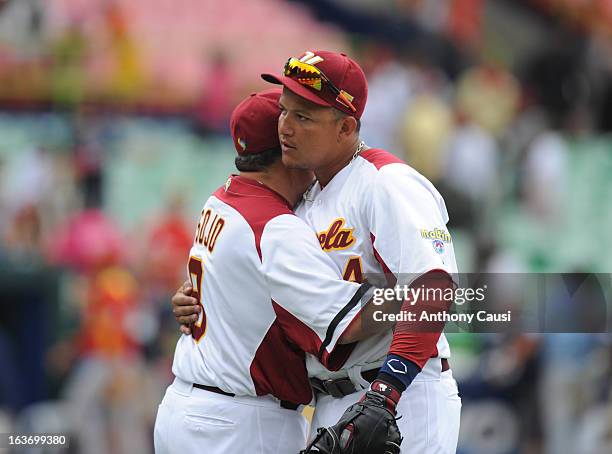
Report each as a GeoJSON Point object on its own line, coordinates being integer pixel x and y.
{"type": "Point", "coordinates": [206, 236]}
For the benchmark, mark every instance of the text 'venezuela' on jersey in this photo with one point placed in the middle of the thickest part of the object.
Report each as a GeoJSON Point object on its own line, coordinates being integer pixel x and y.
{"type": "Point", "coordinates": [269, 293]}
{"type": "Point", "coordinates": [379, 215]}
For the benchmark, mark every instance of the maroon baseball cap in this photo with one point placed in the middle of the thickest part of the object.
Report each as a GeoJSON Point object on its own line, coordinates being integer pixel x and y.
{"type": "Point", "coordinates": [309, 76]}
{"type": "Point", "coordinates": [254, 122]}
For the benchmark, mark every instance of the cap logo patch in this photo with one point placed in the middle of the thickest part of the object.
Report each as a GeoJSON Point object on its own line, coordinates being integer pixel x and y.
{"type": "Point", "coordinates": [311, 59]}
{"type": "Point", "coordinates": [242, 144]}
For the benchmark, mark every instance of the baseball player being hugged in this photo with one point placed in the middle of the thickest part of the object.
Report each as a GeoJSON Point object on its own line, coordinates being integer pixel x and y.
{"type": "Point", "coordinates": [372, 214]}
{"type": "Point", "coordinates": [266, 293]}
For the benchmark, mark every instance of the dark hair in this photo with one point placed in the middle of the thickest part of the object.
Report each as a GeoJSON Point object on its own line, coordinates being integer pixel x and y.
{"type": "Point", "coordinates": [257, 162]}
{"type": "Point", "coordinates": [340, 115]}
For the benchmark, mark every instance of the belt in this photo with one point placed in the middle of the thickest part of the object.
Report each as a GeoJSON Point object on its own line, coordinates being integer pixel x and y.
{"type": "Point", "coordinates": [283, 403]}
{"type": "Point", "coordinates": [445, 365]}
{"type": "Point", "coordinates": [341, 387]}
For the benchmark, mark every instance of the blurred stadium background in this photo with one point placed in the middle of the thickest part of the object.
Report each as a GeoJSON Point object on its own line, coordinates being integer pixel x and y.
{"type": "Point", "coordinates": [114, 130]}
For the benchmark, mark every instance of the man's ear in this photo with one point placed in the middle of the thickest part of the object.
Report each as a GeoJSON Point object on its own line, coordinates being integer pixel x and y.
{"type": "Point", "coordinates": [348, 127]}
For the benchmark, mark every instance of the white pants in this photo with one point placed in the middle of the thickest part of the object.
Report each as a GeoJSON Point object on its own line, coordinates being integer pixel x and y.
{"type": "Point", "coordinates": [430, 410]}
{"type": "Point", "coordinates": [191, 420]}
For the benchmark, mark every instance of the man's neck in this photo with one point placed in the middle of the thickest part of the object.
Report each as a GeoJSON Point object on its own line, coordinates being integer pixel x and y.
{"type": "Point", "coordinates": [326, 174]}
{"type": "Point", "coordinates": [278, 185]}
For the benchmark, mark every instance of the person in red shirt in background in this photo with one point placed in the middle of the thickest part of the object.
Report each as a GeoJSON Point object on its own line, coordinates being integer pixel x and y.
{"type": "Point", "coordinates": [105, 353]}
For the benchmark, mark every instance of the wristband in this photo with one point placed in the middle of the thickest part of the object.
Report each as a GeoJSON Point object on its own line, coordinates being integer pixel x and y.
{"type": "Point", "coordinates": [398, 371]}
{"type": "Point", "coordinates": [391, 393]}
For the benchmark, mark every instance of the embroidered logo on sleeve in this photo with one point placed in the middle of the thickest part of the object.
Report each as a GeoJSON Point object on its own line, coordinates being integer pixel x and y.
{"type": "Point", "coordinates": [438, 246]}
{"type": "Point", "coordinates": [438, 237]}
{"type": "Point", "coordinates": [436, 234]}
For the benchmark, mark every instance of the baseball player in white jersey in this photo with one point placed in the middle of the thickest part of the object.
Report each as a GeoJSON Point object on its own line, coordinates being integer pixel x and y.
{"type": "Point", "coordinates": [372, 214]}
{"type": "Point", "coordinates": [241, 374]}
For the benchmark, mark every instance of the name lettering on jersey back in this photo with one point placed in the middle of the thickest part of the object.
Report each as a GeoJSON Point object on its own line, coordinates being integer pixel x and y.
{"type": "Point", "coordinates": [209, 228]}
{"type": "Point", "coordinates": [336, 237]}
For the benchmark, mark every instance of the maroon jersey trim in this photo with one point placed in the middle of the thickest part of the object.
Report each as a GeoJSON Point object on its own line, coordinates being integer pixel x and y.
{"type": "Point", "coordinates": [243, 193]}
{"type": "Point", "coordinates": [279, 368]}
{"type": "Point", "coordinates": [380, 157]}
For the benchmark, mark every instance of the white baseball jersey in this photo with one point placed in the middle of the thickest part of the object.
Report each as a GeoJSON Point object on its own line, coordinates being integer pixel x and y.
{"type": "Point", "coordinates": [378, 215]}
{"type": "Point", "coordinates": [269, 294]}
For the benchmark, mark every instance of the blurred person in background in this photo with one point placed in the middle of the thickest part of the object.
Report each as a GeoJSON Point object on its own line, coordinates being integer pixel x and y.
{"type": "Point", "coordinates": [485, 104]}
{"type": "Point", "coordinates": [23, 238]}
{"type": "Point", "coordinates": [126, 81]}
{"type": "Point", "coordinates": [106, 391]}
{"type": "Point", "coordinates": [391, 88]}
{"type": "Point", "coordinates": [105, 408]}
{"type": "Point", "coordinates": [68, 76]}
{"type": "Point", "coordinates": [3, 212]}
{"type": "Point", "coordinates": [11, 398]}
{"type": "Point", "coordinates": [27, 178]}
{"type": "Point", "coordinates": [426, 127]}
{"type": "Point", "coordinates": [553, 79]}
{"type": "Point", "coordinates": [107, 382]}
{"type": "Point", "coordinates": [214, 104]}
{"type": "Point", "coordinates": [159, 257]}
{"type": "Point", "coordinates": [88, 157]}
{"type": "Point", "coordinates": [167, 241]}
{"type": "Point", "coordinates": [573, 358]}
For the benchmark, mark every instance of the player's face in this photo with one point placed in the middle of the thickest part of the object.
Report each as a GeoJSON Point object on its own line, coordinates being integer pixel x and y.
{"type": "Point", "coordinates": [309, 134]}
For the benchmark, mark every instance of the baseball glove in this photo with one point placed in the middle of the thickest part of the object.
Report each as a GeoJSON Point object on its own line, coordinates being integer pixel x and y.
{"type": "Point", "coordinates": [367, 427]}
